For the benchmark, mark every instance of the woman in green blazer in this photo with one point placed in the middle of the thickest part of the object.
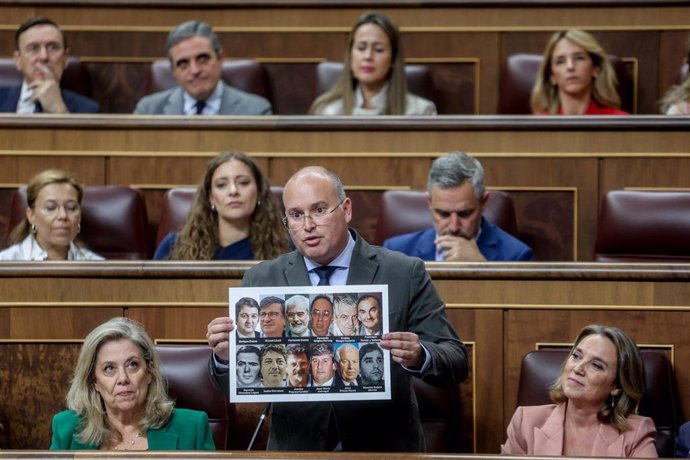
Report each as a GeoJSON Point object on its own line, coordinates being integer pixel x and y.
{"type": "Point", "coordinates": [118, 398]}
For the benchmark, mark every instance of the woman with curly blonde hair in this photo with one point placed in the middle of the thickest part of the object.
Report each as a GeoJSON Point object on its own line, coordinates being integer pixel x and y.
{"type": "Point", "coordinates": [233, 217]}
{"type": "Point", "coordinates": [575, 78]}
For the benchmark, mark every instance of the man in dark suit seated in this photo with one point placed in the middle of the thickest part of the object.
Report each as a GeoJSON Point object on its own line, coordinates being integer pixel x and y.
{"type": "Point", "coordinates": [41, 56]}
{"type": "Point", "coordinates": [421, 341]}
{"type": "Point", "coordinates": [196, 58]}
{"type": "Point", "coordinates": [456, 194]}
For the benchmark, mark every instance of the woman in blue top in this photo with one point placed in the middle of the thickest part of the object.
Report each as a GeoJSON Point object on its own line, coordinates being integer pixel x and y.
{"type": "Point", "coordinates": [234, 216]}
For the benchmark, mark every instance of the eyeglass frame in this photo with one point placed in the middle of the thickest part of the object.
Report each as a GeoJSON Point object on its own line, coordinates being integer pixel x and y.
{"type": "Point", "coordinates": [303, 219]}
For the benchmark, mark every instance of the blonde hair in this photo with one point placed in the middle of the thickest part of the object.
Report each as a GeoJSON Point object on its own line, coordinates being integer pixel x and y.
{"type": "Point", "coordinates": [630, 377]}
{"type": "Point", "coordinates": [677, 93]}
{"type": "Point", "coordinates": [33, 187]}
{"type": "Point", "coordinates": [545, 96]}
{"type": "Point", "coordinates": [344, 87]}
{"type": "Point", "coordinates": [82, 397]}
{"type": "Point", "coordinates": [198, 238]}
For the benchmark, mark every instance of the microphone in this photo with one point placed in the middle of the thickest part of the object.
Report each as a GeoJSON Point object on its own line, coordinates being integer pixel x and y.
{"type": "Point", "coordinates": [262, 418]}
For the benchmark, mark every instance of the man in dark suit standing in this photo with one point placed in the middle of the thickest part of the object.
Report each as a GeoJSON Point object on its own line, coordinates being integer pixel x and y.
{"type": "Point", "coordinates": [421, 343]}
{"type": "Point", "coordinates": [41, 56]}
{"type": "Point", "coordinates": [196, 58]}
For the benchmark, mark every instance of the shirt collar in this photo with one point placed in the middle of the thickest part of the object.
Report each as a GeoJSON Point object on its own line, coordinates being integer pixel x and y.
{"type": "Point", "coordinates": [212, 102]}
{"type": "Point", "coordinates": [378, 101]}
{"type": "Point", "coordinates": [33, 251]}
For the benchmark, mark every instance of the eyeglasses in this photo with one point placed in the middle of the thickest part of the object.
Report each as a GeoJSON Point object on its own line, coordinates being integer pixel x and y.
{"type": "Point", "coordinates": [295, 220]}
{"type": "Point", "coordinates": [270, 314]}
{"type": "Point", "coordinates": [50, 207]}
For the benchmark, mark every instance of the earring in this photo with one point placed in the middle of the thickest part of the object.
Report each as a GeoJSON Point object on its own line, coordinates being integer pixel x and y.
{"type": "Point", "coordinates": [213, 207]}
{"type": "Point", "coordinates": [78, 228]}
{"type": "Point", "coordinates": [258, 203]}
{"type": "Point", "coordinates": [613, 402]}
{"type": "Point", "coordinates": [33, 229]}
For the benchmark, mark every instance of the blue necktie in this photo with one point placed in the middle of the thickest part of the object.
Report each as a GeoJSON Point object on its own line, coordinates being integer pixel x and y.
{"type": "Point", "coordinates": [38, 108]}
{"type": "Point", "coordinates": [200, 105]}
{"type": "Point", "coordinates": [324, 273]}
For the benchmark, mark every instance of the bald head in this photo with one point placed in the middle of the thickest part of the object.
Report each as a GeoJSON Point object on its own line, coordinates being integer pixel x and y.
{"type": "Point", "coordinates": [318, 213]}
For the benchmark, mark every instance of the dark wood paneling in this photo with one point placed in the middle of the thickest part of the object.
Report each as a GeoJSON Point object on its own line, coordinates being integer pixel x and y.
{"type": "Point", "coordinates": [35, 381]}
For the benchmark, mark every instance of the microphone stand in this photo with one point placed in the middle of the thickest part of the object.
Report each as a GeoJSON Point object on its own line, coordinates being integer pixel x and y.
{"type": "Point", "coordinates": [262, 418]}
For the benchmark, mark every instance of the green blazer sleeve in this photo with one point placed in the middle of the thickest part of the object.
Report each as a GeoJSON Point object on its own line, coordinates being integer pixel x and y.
{"type": "Point", "coordinates": [64, 425]}
{"type": "Point", "coordinates": [186, 430]}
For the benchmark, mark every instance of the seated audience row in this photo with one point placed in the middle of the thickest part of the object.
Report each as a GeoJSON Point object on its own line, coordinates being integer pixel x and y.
{"type": "Point", "coordinates": [575, 77]}
{"type": "Point", "coordinates": [118, 397]}
{"type": "Point", "coordinates": [234, 216]}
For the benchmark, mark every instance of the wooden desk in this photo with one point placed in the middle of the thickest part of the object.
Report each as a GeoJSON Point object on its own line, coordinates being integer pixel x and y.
{"type": "Point", "coordinates": [501, 311]}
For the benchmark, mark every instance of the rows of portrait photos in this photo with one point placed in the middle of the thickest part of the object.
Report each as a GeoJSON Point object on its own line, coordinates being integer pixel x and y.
{"type": "Point", "coordinates": [309, 343]}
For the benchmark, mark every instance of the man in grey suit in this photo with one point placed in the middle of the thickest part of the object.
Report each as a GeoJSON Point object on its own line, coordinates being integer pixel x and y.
{"type": "Point", "coordinates": [196, 58]}
{"type": "Point", "coordinates": [422, 342]}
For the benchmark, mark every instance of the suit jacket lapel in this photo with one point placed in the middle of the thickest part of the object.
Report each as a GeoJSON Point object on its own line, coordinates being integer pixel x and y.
{"type": "Point", "coordinates": [608, 442]}
{"type": "Point", "coordinates": [161, 440]}
{"type": "Point", "coordinates": [228, 102]}
{"type": "Point", "coordinates": [487, 242]}
{"type": "Point", "coordinates": [296, 271]}
{"type": "Point", "coordinates": [10, 99]}
{"type": "Point", "coordinates": [548, 440]}
{"type": "Point", "coordinates": [426, 248]}
{"type": "Point", "coordinates": [362, 266]}
{"type": "Point", "coordinates": [174, 105]}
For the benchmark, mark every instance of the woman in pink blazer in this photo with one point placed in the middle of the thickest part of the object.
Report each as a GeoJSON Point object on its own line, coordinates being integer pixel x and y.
{"type": "Point", "coordinates": [596, 396]}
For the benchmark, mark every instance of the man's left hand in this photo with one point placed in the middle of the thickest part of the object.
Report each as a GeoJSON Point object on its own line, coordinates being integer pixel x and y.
{"type": "Point", "coordinates": [404, 347]}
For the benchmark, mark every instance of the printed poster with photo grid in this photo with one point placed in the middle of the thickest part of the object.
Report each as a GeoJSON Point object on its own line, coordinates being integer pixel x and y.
{"type": "Point", "coordinates": [309, 343]}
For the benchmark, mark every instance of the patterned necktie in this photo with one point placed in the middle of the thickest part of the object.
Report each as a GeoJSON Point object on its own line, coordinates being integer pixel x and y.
{"type": "Point", "coordinates": [324, 273]}
{"type": "Point", "coordinates": [200, 105]}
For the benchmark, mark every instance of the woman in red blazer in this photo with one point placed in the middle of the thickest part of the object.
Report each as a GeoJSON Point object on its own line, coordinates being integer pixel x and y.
{"type": "Point", "coordinates": [575, 78]}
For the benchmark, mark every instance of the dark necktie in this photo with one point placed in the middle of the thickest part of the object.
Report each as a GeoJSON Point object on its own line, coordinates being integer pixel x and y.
{"type": "Point", "coordinates": [200, 107]}
{"type": "Point", "coordinates": [324, 273]}
{"type": "Point", "coordinates": [38, 108]}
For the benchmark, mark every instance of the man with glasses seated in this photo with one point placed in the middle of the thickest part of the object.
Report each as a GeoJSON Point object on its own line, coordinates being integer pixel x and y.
{"type": "Point", "coordinates": [456, 194]}
{"type": "Point", "coordinates": [421, 341]}
{"type": "Point", "coordinates": [272, 317]}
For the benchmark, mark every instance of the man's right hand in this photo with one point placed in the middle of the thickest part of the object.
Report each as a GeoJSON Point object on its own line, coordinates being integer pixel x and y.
{"type": "Point", "coordinates": [217, 334]}
{"type": "Point", "coordinates": [459, 249]}
{"type": "Point", "coordinates": [46, 89]}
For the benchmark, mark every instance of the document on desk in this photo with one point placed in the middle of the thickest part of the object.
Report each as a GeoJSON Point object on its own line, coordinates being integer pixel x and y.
{"type": "Point", "coordinates": [309, 343]}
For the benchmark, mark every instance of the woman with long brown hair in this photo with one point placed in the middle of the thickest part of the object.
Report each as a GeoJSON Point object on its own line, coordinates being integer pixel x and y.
{"type": "Point", "coordinates": [234, 216]}
{"type": "Point", "coordinates": [373, 78]}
